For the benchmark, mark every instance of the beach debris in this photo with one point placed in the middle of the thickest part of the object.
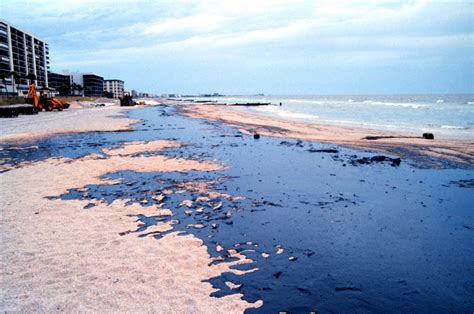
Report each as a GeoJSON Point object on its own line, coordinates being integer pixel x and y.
{"type": "Point", "coordinates": [279, 249]}
{"type": "Point", "coordinates": [188, 212]}
{"type": "Point", "coordinates": [428, 136]}
{"type": "Point", "coordinates": [265, 255]}
{"type": "Point", "coordinates": [465, 183]}
{"type": "Point", "coordinates": [298, 143]}
{"type": "Point", "coordinates": [218, 206]}
{"type": "Point", "coordinates": [256, 136]}
{"type": "Point", "coordinates": [271, 204]}
{"type": "Point", "coordinates": [187, 203]}
{"type": "Point", "coordinates": [292, 258]}
{"type": "Point", "coordinates": [228, 214]}
{"type": "Point", "coordinates": [304, 290]}
{"type": "Point", "coordinates": [327, 150]}
{"type": "Point", "coordinates": [250, 104]}
{"type": "Point", "coordinates": [348, 288]}
{"type": "Point", "coordinates": [308, 253]}
{"type": "Point", "coordinates": [89, 205]}
{"type": "Point", "coordinates": [219, 248]}
{"type": "Point", "coordinates": [395, 162]}
{"type": "Point", "coordinates": [195, 226]}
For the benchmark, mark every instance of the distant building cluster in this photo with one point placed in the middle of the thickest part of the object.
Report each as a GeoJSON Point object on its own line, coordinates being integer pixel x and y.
{"type": "Point", "coordinates": [24, 59]}
{"type": "Point", "coordinates": [115, 87]}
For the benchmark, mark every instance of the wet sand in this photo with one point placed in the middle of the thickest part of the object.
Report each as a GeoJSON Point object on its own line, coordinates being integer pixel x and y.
{"type": "Point", "coordinates": [79, 118]}
{"type": "Point", "coordinates": [191, 215]}
{"type": "Point", "coordinates": [458, 153]}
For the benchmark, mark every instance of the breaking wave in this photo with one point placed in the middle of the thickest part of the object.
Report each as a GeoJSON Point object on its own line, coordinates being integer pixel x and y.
{"type": "Point", "coordinates": [286, 113]}
{"type": "Point", "coordinates": [454, 127]}
{"type": "Point", "coordinates": [395, 104]}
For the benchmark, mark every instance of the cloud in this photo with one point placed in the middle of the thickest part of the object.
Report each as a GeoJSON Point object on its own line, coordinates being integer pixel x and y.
{"type": "Point", "coordinates": [270, 34]}
{"type": "Point", "coordinates": [196, 23]}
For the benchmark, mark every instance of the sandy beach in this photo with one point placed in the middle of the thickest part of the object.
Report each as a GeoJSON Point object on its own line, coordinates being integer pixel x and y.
{"type": "Point", "coordinates": [177, 209]}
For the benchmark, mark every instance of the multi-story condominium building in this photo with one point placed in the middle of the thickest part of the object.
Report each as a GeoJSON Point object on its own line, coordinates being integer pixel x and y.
{"type": "Point", "coordinates": [116, 87]}
{"type": "Point", "coordinates": [25, 54]}
{"type": "Point", "coordinates": [60, 82]}
{"type": "Point", "coordinates": [93, 84]}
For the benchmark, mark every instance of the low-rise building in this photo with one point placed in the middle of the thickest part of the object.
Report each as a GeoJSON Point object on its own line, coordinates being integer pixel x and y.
{"type": "Point", "coordinates": [115, 87]}
{"type": "Point", "coordinates": [60, 82]}
{"type": "Point", "coordinates": [93, 84]}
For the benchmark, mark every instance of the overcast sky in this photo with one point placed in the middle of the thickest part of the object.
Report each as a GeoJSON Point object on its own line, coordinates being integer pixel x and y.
{"type": "Point", "coordinates": [256, 46]}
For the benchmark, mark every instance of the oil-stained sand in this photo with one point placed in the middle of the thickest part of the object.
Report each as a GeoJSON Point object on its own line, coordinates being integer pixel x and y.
{"type": "Point", "coordinates": [59, 256]}
{"type": "Point", "coordinates": [321, 227]}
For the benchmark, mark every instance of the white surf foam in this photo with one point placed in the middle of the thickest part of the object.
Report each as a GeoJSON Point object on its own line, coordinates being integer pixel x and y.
{"type": "Point", "coordinates": [453, 127]}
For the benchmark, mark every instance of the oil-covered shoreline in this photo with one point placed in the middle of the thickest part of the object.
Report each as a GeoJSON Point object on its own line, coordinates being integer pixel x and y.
{"type": "Point", "coordinates": [296, 224]}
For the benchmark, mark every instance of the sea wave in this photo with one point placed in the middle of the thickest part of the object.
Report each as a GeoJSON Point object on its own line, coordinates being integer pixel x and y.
{"type": "Point", "coordinates": [454, 127]}
{"type": "Point", "coordinates": [286, 113]}
{"type": "Point", "coordinates": [440, 101]}
{"type": "Point", "coordinates": [306, 101]}
{"type": "Point", "coordinates": [470, 103]}
{"type": "Point", "coordinates": [395, 104]}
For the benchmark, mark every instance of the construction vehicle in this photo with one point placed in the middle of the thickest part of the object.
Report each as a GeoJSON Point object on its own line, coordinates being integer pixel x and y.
{"type": "Point", "coordinates": [127, 101]}
{"type": "Point", "coordinates": [45, 100]}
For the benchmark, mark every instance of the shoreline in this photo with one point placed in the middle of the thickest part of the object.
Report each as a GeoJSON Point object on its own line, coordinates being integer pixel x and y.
{"type": "Point", "coordinates": [189, 209]}
{"type": "Point", "coordinates": [451, 152]}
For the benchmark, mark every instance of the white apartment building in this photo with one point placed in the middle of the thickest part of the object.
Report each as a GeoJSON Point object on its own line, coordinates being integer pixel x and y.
{"type": "Point", "coordinates": [23, 53]}
{"type": "Point", "coordinates": [116, 87]}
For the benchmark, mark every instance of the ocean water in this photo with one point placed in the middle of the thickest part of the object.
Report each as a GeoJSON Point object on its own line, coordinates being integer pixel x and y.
{"type": "Point", "coordinates": [444, 115]}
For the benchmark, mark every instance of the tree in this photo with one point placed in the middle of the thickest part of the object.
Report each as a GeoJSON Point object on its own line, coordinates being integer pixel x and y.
{"type": "Point", "coordinates": [64, 90]}
{"type": "Point", "coordinates": [76, 87]}
{"type": "Point", "coordinates": [31, 77]}
{"type": "Point", "coordinates": [15, 77]}
{"type": "Point", "coordinates": [3, 76]}
{"type": "Point", "coordinates": [79, 88]}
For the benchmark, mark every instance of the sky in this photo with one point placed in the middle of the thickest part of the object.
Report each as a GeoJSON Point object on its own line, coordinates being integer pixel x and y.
{"type": "Point", "coordinates": [260, 46]}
